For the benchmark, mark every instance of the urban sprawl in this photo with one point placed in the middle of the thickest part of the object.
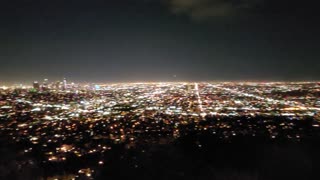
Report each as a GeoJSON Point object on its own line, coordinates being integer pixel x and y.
{"type": "Point", "coordinates": [61, 121]}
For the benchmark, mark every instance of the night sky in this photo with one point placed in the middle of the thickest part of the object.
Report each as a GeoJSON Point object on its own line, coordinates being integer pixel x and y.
{"type": "Point", "coordinates": [159, 40]}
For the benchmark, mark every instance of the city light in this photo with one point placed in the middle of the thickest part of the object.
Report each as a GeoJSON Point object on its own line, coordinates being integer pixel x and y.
{"type": "Point", "coordinates": [64, 123]}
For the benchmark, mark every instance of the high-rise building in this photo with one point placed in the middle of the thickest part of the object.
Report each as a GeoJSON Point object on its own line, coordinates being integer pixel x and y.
{"type": "Point", "coordinates": [57, 85]}
{"type": "Point", "coordinates": [36, 85]}
{"type": "Point", "coordinates": [64, 84]}
{"type": "Point", "coordinates": [45, 84]}
{"type": "Point", "coordinates": [190, 89]}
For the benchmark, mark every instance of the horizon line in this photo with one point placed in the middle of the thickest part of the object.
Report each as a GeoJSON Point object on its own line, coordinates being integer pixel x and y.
{"type": "Point", "coordinates": [186, 81]}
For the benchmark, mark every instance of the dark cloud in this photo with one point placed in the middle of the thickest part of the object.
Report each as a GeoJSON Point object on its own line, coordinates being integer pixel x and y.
{"type": "Point", "coordinates": [201, 9]}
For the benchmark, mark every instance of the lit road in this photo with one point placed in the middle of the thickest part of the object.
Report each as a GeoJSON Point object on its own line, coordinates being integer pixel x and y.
{"type": "Point", "coordinates": [198, 96]}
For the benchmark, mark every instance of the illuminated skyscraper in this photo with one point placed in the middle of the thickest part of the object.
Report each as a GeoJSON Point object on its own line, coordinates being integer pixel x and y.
{"type": "Point", "coordinates": [36, 85]}
{"type": "Point", "coordinates": [45, 84]}
{"type": "Point", "coordinates": [190, 89]}
{"type": "Point", "coordinates": [56, 85]}
{"type": "Point", "coordinates": [64, 84]}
